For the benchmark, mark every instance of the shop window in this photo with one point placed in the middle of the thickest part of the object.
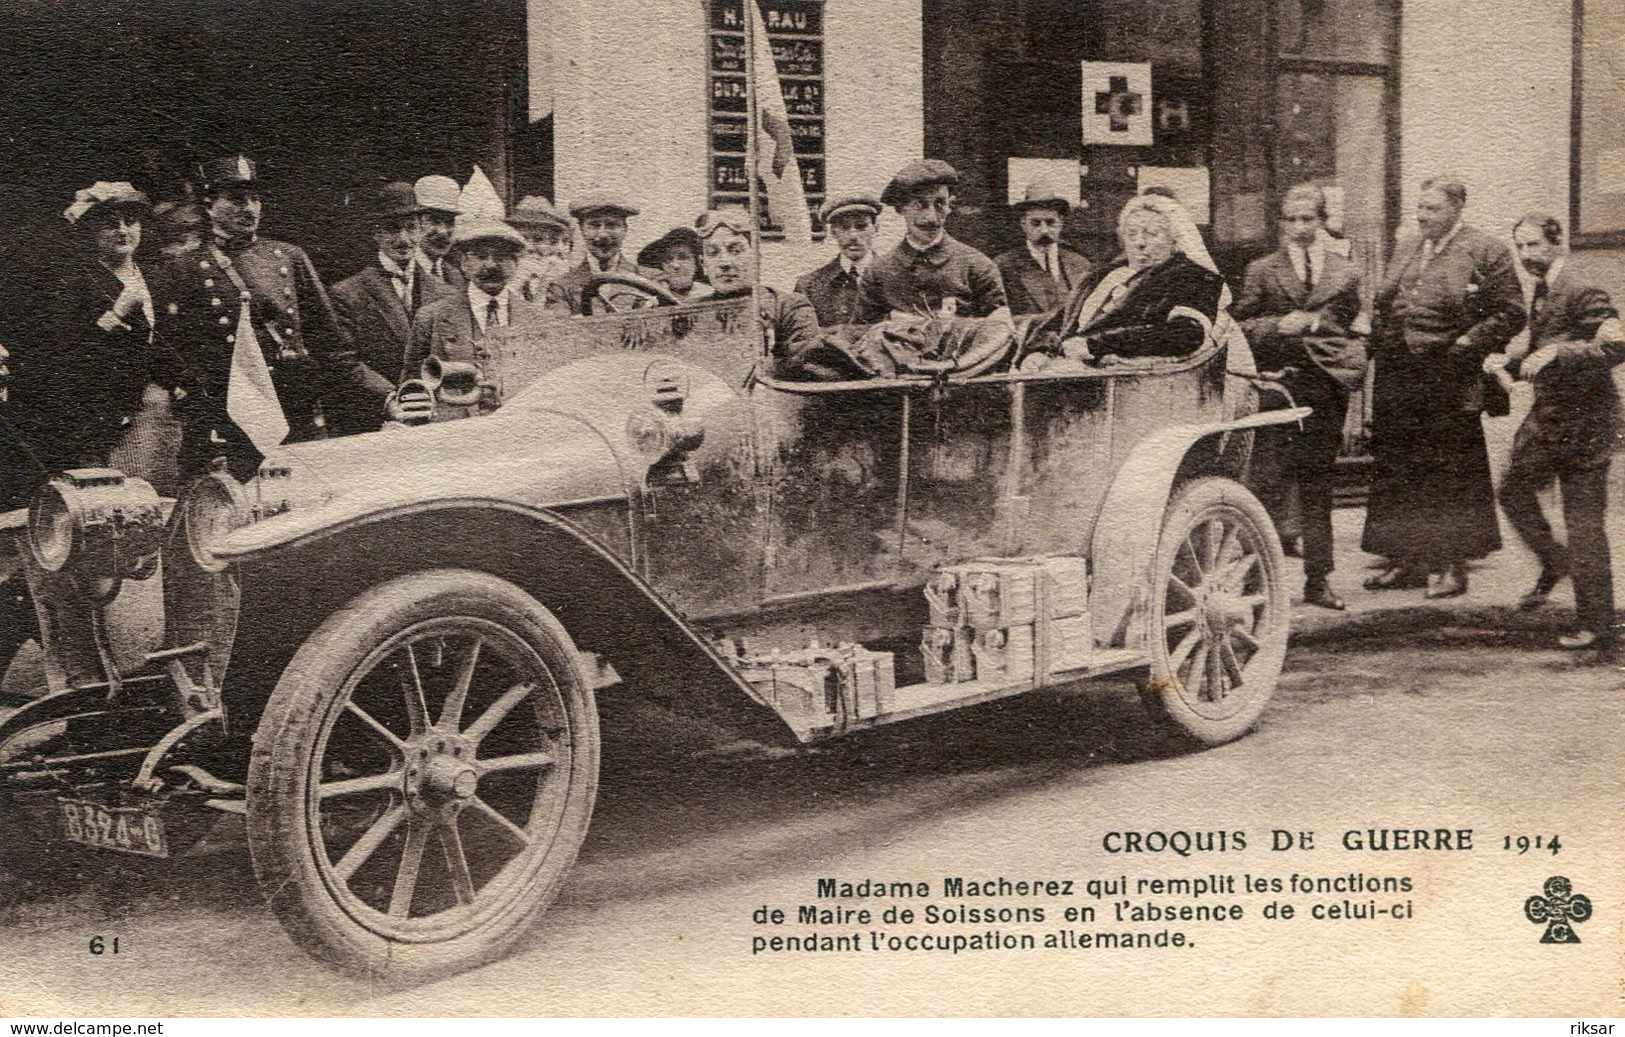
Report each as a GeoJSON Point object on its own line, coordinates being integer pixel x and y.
{"type": "Point", "coordinates": [1335, 97]}
{"type": "Point", "coordinates": [1330, 130]}
{"type": "Point", "coordinates": [1598, 126]}
{"type": "Point", "coordinates": [1358, 31]}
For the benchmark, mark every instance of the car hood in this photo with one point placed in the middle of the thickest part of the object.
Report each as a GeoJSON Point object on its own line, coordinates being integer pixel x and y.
{"type": "Point", "coordinates": [569, 437]}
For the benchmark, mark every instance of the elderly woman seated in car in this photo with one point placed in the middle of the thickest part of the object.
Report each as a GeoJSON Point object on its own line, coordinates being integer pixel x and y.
{"type": "Point", "coordinates": [1159, 300]}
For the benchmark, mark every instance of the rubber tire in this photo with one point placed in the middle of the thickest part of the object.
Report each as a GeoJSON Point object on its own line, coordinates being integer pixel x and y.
{"type": "Point", "coordinates": [283, 855]}
{"type": "Point", "coordinates": [1162, 693]}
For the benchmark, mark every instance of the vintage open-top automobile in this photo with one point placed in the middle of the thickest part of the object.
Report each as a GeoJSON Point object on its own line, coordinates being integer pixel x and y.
{"type": "Point", "coordinates": [386, 656]}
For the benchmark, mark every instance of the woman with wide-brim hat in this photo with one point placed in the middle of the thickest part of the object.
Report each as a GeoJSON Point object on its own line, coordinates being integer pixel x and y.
{"type": "Point", "coordinates": [676, 254]}
{"type": "Point", "coordinates": [85, 361]}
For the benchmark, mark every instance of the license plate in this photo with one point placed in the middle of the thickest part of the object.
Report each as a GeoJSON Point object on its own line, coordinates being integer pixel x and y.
{"type": "Point", "coordinates": [125, 829]}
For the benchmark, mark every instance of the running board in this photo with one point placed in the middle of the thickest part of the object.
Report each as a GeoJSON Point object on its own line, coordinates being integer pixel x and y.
{"type": "Point", "coordinates": [919, 700]}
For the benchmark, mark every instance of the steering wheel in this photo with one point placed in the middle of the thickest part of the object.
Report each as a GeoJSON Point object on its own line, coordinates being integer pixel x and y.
{"type": "Point", "coordinates": [593, 292]}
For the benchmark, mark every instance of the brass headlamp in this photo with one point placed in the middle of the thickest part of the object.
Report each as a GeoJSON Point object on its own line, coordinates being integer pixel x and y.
{"type": "Point", "coordinates": [96, 524]}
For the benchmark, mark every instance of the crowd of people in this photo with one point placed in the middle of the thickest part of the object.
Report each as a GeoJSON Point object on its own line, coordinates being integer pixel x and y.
{"type": "Point", "coordinates": [236, 336]}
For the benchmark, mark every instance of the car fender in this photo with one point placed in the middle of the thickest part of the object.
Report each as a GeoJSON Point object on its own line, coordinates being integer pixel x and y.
{"type": "Point", "coordinates": [1125, 536]}
{"type": "Point", "coordinates": [291, 585]}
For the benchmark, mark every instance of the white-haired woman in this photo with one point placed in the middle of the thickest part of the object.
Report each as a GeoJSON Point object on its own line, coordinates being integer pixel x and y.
{"type": "Point", "coordinates": [1159, 300]}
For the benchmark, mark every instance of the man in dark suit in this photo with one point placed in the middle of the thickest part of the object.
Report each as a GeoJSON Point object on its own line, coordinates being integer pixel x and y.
{"type": "Point", "coordinates": [833, 288]}
{"type": "Point", "coordinates": [1450, 298]}
{"type": "Point", "coordinates": [375, 306]}
{"type": "Point", "coordinates": [245, 332]}
{"type": "Point", "coordinates": [1575, 339]}
{"type": "Point", "coordinates": [1040, 274]}
{"type": "Point", "coordinates": [930, 273]}
{"type": "Point", "coordinates": [1296, 306]}
{"type": "Point", "coordinates": [457, 327]}
{"type": "Point", "coordinates": [438, 199]}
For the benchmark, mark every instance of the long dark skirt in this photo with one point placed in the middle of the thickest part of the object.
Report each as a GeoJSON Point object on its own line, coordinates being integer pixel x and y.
{"type": "Point", "coordinates": [1432, 503]}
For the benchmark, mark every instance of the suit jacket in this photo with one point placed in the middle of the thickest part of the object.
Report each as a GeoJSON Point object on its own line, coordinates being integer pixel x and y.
{"type": "Point", "coordinates": [1575, 404]}
{"type": "Point", "coordinates": [915, 281]}
{"type": "Point", "coordinates": [564, 295]}
{"type": "Point", "coordinates": [1271, 290]}
{"type": "Point", "coordinates": [1143, 323]}
{"type": "Point", "coordinates": [446, 329]}
{"type": "Point", "coordinates": [1029, 288]}
{"type": "Point", "coordinates": [379, 329]}
{"type": "Point", "coordinates": [453, 278]}
{"type": "Point", "coordinates": [832, 291]}
{"type": "Point", "coordinates": [1469, 288]}
{"type": "Point", "coordinates": [76, 387]}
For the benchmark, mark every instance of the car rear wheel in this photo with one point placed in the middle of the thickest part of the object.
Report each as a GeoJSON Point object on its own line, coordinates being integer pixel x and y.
{"type": "Point", "coordinates": [423, 776]}
{"type": "Point", "coordinates": [1216, 629]}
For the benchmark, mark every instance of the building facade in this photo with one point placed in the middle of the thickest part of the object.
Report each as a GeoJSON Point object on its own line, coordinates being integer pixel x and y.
{"type": "Point", "coordinates": [1236, 100]}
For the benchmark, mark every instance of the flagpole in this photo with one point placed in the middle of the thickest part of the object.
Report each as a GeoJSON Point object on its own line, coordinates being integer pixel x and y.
{"type": "Point", "coordinates": [752, 15]}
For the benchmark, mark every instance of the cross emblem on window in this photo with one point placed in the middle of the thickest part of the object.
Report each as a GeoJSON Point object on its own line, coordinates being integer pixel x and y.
{"type": "Point", "coordinates": [1559, 910]}
{"type": "Point", "coordinates": [1118, 102]}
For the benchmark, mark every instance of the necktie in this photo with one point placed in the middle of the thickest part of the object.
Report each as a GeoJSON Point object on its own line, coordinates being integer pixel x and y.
{"type": "Point", "coordinates": [491, 315]}
{"type": "Point", "coordinates": [1308, 270]}
{"type": "Point", "coordinates": [403, 288]}
{"type": "Point", "coordinates": [1537, 301]}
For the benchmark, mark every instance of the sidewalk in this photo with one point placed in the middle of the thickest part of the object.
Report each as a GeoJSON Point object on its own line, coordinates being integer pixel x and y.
{"type": "Point", "coordinates": [1494, 584]}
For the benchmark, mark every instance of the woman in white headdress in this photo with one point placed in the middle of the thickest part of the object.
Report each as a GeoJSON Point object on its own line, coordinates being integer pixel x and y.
{"type": "Point", "coordinates": [1161, 299]}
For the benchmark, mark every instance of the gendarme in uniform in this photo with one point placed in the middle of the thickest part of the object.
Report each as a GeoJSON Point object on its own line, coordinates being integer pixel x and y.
{"type": "Point", "coordinates": [199, 298]}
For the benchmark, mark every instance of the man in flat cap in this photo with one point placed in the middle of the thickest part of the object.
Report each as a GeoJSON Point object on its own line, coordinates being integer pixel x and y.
{"type": "Point", "coordinates": [375, 308]}
{"type": "Point", "coordinates": [547, 256]}
{"type": "Point", "coordinates": [1040, 274]}
{"type": "Point", "coordinates": [249, 339]}
{"type": "Point", "coordinates": [603, 229]}
{"type": "Point", "coordinates": [929, 273]}
{"type": "Point", "coordinates": [833, 287]}
{"type": "Point", "coordinates": [458, 328]}
{"type": "Point", "coordinates": [438, 199]}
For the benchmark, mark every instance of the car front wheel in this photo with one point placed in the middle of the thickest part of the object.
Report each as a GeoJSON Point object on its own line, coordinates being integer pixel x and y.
{"type": "Point", "coordinates": [1217, 625]}
{"type": "Point", "coordinates": [423, 776]}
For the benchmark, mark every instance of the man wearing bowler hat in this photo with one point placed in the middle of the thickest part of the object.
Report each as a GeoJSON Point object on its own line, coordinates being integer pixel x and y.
{"type": "Point", "coordinates": [929, 273]}
{"type": "Point", "coordinates": [1039, 275]}
{"type": "Point", "coordinates": [375, 308]}
{"type": "Point", "coordinates": [833, 287]}
{"type": "Point", "coordinates": [603, 229]}
{"type": "Point", "coordinates": [438, 199]}
{"type": "Point", "coordinates": [250, 340]}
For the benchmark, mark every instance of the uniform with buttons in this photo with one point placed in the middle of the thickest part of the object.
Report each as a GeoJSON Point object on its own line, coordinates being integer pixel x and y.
{"type": "Point", "coordinates": [198, 307]}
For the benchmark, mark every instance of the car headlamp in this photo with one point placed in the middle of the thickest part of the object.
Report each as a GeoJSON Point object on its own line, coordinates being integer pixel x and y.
{"type": "Point", "coordinates": [213, 507]}
{"type": "Point", "coordinates": [97, 523]}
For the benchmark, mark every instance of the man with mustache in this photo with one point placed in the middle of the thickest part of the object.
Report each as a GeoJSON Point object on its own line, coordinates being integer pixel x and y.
{"type": "Point", "coordinates": [238, 289]}
{"type": "Point", "coordinates": [1576, 339]}
{"type": "Point", "coordinates": [929, 273]}
{"type": "Point", "coordinates": [602, 220]}
{"type": "Point", "coordinates": [461, 328]}
{"type": "Point", "coordinates": [438, 204]}
{"type": "Point", "coordinates": [1040, 274]}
